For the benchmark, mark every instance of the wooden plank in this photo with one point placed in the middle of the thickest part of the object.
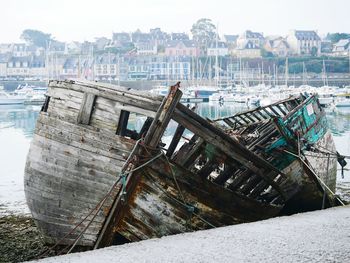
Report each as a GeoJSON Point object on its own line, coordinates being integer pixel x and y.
{"type": "Point", "coordinates": [65, 94]}
{"type": "Point", "coordinates": [107, 138]}
{"type": "Point", "coordinates": [281, 110]}
{"type": "Point", "coordinates": [137, 99]}
{"type": "Point", "coordinates": [274, 111]}
{"type": "Point", "coordinates": [163, 116]}
{"type": "Point", "coordinates": [291, 99]}
{"type": "Point", "coordinates": [175, 141]}
{"type": "Point", "coordinates": [238, 179]}
{"type": "Point", "coordinates": [224, 175]}
{"type": "Point", "coordinates": [240, 116]}
{"type": "Point", "coordinates": [86, 109]}
{"type": "Point", "coordinates": [235, 119]}
{"type": "Point", "coordinates": [250, 184]}
{"type": "Point", "coordinates": [229, 122]}
{"type": "Point", "coordinates": [205, 171]}
{"type": "Point", "coordinates": [256, 116]}
{"type": "Point", "coordinates": [267, 112]}
{"type": "Point", "coordinates": [152, 139]}
{"type": "Point", "coordinates": [249, 118]}
{"type": "Point", "coordinates": [258, 189]}
{"type": "Point", "coordinates": [188, 158]}
{"type": "Point", "coordinates": [261, 114]}
{"type": "Point", "coordinates": [110, 149]}
{"type": "Point", "coordinates": [46, 149]}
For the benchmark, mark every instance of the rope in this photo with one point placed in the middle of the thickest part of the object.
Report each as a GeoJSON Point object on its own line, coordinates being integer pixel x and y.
{"type": "Point", "coordinates": [324, 192]}
{"type": "Point", "coordinates": [340, 158]}
{"type": "Point", "coordinates": [173, 174]}
{"type": "Point", "coordinates": [189, 208]}
{"type": "Point", "coordinates": [330, 152]}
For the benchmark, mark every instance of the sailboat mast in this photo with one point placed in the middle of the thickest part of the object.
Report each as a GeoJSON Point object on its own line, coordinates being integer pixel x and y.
{"type": "Point", "coordinates": [240, 71]}
{"type": "Point", "coordinates": [118, 70]}
{"type": "Point", "coordinates": [262, 73]}
{"type": "Point", "coordinates": [216, 58]}
{"type": "Point", "coordinates": [349, 58]}
{"type": "Point", "coordinates": [209, 69]}
{"type": "Point", "coordinates": [324, 74]}
{"type": "Point", "coordinates": [286, 72]}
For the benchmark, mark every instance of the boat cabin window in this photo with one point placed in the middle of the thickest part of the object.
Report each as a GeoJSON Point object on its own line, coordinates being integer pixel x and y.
{"type": "Point", "coordinates": [133, 125]}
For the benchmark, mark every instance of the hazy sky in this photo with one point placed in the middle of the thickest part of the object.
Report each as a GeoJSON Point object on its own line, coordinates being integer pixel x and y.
{"type": "Point", "coordinates": [69, 20]}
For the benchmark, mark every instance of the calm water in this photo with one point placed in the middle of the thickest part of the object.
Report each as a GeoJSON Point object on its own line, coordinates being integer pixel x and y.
{"type": "Point", "coordinates": [17, 125]}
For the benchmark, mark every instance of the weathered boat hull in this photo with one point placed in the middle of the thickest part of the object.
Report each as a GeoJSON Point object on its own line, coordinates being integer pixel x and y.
{"type": "Point", "coordinates": [92, 177]}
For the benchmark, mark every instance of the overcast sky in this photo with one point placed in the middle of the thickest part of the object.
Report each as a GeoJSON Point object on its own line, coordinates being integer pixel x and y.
{"type": "Point", "coordinates": [80, 20]}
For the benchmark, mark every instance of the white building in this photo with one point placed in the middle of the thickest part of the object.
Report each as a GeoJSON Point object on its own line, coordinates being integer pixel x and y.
{"type": "Point", "coordinates": [278, 46]}
{"type": "Point", "coordinates": [247, 50]}
{"type": "Point", "coordinates": [18, 67]}
{"type": "Point", "coordinates": [6, 48]}
{"type": "Point", "coordinates": [221, 49]}
{"type": "Point", "coordinates": [170, 70]}
{"type": "Point", "coordinates": [146, 48]}
{"type": "Point", "coordinates": [106, 67]}
{"type": "Point", "coordinates": [342, 47]}
{"type": "Point", "coordinates": [256, 38]}
{"type": "Point", "coordinates": [3, 69]}
{"type": "Point", "coordinates": [304, 42]}
{"type": "Point", "coordinates": [22, 50]}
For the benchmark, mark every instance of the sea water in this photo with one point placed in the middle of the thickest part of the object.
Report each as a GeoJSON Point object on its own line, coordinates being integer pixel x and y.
{"type": "Point", "coordinates": [17, 124]}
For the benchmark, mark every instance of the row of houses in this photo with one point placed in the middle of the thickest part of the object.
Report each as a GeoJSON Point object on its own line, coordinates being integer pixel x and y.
{"type": "Point", "coordinates": [248, 44]}
{"type": "Point", "coordinates": [103, 67]}
{"type": "Point", "coordinates": [158, 43]}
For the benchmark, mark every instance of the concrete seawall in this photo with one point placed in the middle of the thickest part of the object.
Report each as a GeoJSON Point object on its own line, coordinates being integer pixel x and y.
{"type": "Point", "coordinates": [321, 236]}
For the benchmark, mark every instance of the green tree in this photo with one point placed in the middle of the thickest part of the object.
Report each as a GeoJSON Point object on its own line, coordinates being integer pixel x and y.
{"type": "Point", "coordinates": [203, 32]}
{"type": "Point", "coordinates": [334, 38]}
{"type": "Point", "coordinates": [266, 54]}
{"type": "Point", "coordinates": [314, 51]}
{"type": "Point", "coordinates": [36, 37]}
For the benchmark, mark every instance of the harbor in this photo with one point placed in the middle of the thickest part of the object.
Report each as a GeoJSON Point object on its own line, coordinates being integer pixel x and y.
{"type": "Point", "coordinates": [23, 94]}
{"type": "Point", "coordinates": [167, 131]}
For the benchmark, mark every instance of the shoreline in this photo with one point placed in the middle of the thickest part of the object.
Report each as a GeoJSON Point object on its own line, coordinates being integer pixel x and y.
{"type": "Point", "coordinates": [20, 240]}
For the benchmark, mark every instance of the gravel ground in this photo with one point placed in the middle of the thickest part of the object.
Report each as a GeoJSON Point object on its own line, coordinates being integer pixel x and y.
{"type": "Point", "coordinates": [19, 239]}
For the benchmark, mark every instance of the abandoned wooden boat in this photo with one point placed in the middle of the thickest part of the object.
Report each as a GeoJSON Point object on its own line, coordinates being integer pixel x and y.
{"type": "Point", "coordinates": [93, 176]}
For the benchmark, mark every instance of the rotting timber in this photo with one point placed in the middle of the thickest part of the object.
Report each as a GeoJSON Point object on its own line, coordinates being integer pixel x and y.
{"type": "Point", "coordinates": [92, 176]}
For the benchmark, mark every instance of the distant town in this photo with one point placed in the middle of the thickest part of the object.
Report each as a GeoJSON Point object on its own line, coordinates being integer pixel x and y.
{"type": "Point", "coordinates": [158, 55]}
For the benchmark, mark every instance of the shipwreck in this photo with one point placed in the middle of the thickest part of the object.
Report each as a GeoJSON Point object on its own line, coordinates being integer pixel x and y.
{"type": "Point", "coordinates": [94, 178]}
